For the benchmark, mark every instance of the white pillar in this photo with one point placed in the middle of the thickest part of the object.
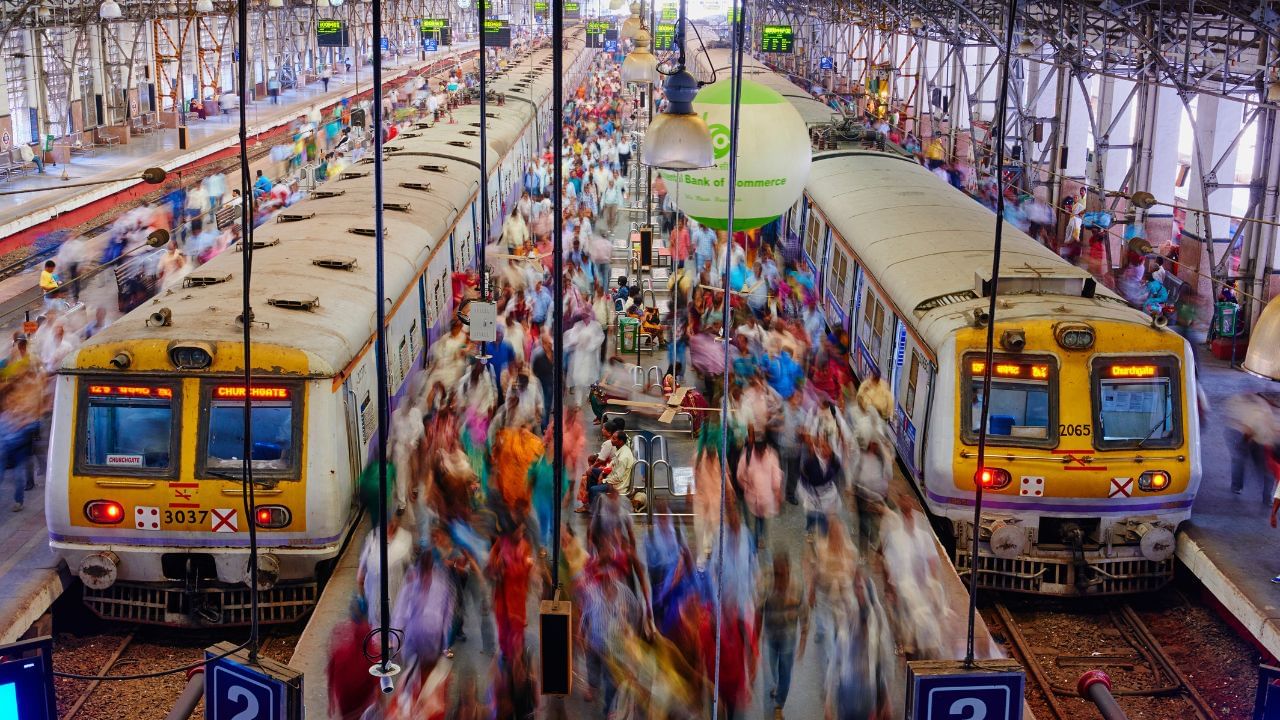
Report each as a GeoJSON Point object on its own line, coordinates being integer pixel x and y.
{"type": "Point", "coordinates": [1164, 148]}
{"type": "Point", "coordinates": [1216, 125]}
{"type": "Point", "coordinates": [1076, 134]}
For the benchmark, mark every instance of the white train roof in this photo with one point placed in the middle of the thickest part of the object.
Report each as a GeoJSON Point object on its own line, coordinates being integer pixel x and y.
{"type": "Point", "coordinates": [929, 246]}
{"type": "Point", "coordinates": [813, 111]}
{"type": "Point", "coordinates": [343, 321]}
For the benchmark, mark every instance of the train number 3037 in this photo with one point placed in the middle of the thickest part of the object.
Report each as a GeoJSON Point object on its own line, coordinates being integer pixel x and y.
{"type": "Point", "coordinates": [185, 517]}
{"type": "Point", "coordinates": [1075, 430]}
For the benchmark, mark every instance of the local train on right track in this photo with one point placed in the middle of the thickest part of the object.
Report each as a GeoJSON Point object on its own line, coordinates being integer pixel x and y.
{"type": "Point", "coordinates": [1093, 439]}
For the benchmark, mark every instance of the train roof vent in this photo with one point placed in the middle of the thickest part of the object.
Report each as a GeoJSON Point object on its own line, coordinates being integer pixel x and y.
{"type": "Point", "coordinates": [335, 262]}
{"type": "Point", "coordinates": [202, 279]}
{"type": "Point", "coordinates": [422, 125]}
{"type": "Point", "coordinates": [410, 134]}
{"type": "Point", "coordinates": [424, 187]}
{"type": "Point", "coordinates": [472, 133]}
{"type": "Point", "coordinates": [492, 116]}
{"type": "Point", "coordinates": [322, 194]}
{"type": "Point", "coordinates": [367, 231]}
{"type": "Point", "coordinates": [259, 244]}
{"type": "Point", "coordinates": [434, 167]}
{"type": "Point", "coordinates": [941, 300]}
{"type": "Point", "coordinates": [295, 301]}
{"type": "Point", "coordinates": [460, 143]}
{"type": "Point", "coordinates": [294, 217]}
{"type": "Point", "coordinates": [352, 175]}
{"type": "Point", "coordinates": [397, 206]}
{"type": "Point", "coordinates": [1036, 281]}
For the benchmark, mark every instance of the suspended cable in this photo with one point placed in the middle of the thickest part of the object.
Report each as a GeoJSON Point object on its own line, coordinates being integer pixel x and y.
{"type": "Point", "coordinates": [735, 111]}
{"type": "Point", "coordinates": [384, 668]}
{"type": "Point", "coordinates": [557, 284]}
{"type": "Point", "coordinates": [999, 137]}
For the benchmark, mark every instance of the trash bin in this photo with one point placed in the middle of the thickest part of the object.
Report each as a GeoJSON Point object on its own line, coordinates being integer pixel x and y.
{"type": "Point", "coordinates": [628, 334]}
{"type": "Point", "coordinates": [1225, 318]}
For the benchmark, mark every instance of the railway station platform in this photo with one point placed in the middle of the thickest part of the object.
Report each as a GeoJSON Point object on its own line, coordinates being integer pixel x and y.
{"type": "Point", "coordinates": [23, 214]}
{"type": "Point", "coordinates": [1229, 544]}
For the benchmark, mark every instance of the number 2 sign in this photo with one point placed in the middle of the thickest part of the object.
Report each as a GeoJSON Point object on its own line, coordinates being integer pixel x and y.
{"type": "Point", "coordinates": [237, 690]}
{"type": "Point", "coordinates": [947, 691]}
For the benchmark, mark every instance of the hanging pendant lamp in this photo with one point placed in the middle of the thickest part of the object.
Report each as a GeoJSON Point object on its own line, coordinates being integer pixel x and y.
{"type": "Point", "coordinates": [640, 65]}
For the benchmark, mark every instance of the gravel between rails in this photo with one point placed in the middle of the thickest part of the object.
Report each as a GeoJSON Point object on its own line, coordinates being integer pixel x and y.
{"type": "Point", "coordinates": [1068, 637]}
{"type": "Point", "coordinates": [85, 651]}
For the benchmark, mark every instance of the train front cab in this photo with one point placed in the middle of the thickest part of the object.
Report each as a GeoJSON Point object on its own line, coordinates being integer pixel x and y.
{"type": "Point", "coordinates": [151, 515]}
{"type": "Point", "coordinates": [1091, 459]}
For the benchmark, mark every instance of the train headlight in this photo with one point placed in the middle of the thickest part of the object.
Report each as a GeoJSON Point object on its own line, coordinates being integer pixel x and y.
{"type": "Point", "coordinates": [104, 512]}
{"type": "Point", "coordinates": [191, 356]}
{"type": "Point", "coordinates": [1153, 480]}
{"type": "Point", "coordinates": [272, 517]}
{"type": "Point", "coordinates": [991, 478]}
{"type": "Point", "coordinates": [1075, 336]}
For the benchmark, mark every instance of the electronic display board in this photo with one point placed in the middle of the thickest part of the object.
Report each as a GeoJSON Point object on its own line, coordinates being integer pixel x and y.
{"type": "Point", "coordinates": [777, 38]}
{"type": "Point", "coordinates": [497, 33]}
{"type": "Point", "coordinates": [331, 33]}
{"type": "Point", "coordinates": [664, 36]}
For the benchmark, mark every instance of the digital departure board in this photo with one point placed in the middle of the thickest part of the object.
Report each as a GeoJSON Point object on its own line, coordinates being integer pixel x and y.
{"type": "Point", "coordinates": [331, 33]}
{"type": "Point", "coordinates": [436, 29]}
{"type": "Point", "coordinates": [733, 15]}
{"type": "Point", "coordinates": [497, 33]}
{"type": "Point", "coordinates": [596, 32]}
{"type": "Point", "coordinates": [669, 12]}
{"type": "Point", "coordinates": [572, 11]}
{"type": "Point", "coordinates": [777, 38]}
{"type": "Point", "coordinates": [540, 7]}
{"type": "Point", "coordinates": [664, 36]}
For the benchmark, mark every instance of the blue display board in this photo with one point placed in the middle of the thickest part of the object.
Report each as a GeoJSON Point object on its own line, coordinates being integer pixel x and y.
{"type": "Point", "coordinates": [827, 62]}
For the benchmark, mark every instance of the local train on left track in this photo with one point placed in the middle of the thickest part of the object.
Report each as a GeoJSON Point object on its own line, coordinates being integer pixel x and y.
{"type": "Point", "coordinates": [144, 498]}
{"type": "Point", "coordinates": [1093, 442]}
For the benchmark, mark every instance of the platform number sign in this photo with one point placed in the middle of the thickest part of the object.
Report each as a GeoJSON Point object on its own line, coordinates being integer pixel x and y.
{"type": "Point", "coordinates": [946, 691]}
{"type": "Point", "coordinates": [237, 690]}
{"type": "Point", "coordinates": [777, 38]}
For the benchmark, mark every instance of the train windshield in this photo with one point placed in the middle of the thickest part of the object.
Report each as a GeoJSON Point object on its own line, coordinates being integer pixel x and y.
{"type": "Point", "coordinates": [1023, 401]}
{"type": "Point", "coordinates": [127, 428]}
{"type": "Point", "coordinates": [1136, 403]}
{"type": "Point", "coordinates": [273, 429]}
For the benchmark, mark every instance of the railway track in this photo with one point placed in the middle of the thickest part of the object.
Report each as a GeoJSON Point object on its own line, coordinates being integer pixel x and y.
{"type": "Point", "coordinates": [1057, 643]}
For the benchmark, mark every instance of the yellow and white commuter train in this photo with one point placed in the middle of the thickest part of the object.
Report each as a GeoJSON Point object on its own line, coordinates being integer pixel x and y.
{"type": "Point", "coordinates": [1093, 454]}
{"type": "Point", "coordinates": [143, 498]}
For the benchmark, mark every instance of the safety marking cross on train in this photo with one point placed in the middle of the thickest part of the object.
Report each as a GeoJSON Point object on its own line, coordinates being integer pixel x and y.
{"type": "Point", "coordinates": [223, 520]}
{"type": "Point", "coordinates": [1121, 487]}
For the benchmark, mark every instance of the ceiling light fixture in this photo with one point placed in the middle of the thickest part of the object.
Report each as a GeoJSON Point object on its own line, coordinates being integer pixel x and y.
{"type": "Point", "coordinates": [631, 25]}
{"type": "Point", "coordinates": [640, 65]}
{"type": "Point", "coordinates": [110, 10]}
{"type": "Point", "coordinates": [679, 139]}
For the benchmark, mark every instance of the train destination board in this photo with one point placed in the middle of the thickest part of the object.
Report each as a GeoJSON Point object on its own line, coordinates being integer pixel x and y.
{"type": "Point", "coordinates": [331, 33]}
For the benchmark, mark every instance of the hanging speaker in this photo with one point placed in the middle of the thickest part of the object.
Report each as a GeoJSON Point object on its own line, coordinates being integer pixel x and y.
{"type": "Point", "coordinates": [1181, 178]}
{"type": "Point", "coordinates": [1037, 132]}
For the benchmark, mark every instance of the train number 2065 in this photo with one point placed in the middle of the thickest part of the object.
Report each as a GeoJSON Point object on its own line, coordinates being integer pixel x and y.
{"type": "Point", "coordinates": [185, 517]}
{"type": "Point", "coordinates": [1075, 430]}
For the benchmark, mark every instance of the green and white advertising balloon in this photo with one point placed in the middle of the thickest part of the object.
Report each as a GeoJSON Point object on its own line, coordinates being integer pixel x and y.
{"type": "Point", "coordinates": [774, 156]}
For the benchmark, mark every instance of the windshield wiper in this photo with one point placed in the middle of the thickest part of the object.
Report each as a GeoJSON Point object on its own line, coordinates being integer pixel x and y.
{"type": "Point", "coordinates": [1155, 427]}
{"type": "Point", "coordinates": [239, 478]}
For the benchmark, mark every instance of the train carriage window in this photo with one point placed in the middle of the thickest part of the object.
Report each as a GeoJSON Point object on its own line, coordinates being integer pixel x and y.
{"type": "Point", "coordinates": [1137, 402]}
{"type": "Point", "coordinates": [877, 330]}
{"type": "Point", "coordinates": [276, 428]}
{"type": "Point", "coordinates": [839, 275]}
{"type": "Point", "coordinates": [1024, 400]}
{"type": "Point", "coordinates": [909, 403]}
{"type": "Point", "coordinates": [128, 429]}
{"type": "Point", "coordinates": [813, 238]}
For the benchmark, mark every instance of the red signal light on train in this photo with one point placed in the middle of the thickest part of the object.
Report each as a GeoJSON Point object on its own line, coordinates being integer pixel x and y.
{"type": "Point", "coordinates": [104, 512]}
{"type": "Point", "coordinates": [272, 517]}
{"type": "Point", "coordinates": [993, 478]}
{"type": "Point", "coordinates": [236, 392]}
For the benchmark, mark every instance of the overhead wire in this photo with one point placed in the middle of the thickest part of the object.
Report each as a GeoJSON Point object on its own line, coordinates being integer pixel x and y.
{"type": "Point", "coordinates": [735, 112]}
{"type": "Point", "coordinates": [997, 245]}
